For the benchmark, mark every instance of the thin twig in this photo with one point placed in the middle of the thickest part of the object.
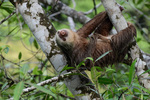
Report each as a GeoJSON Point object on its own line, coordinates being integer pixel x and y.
{"type": "Point", "coordinates": [8, 60]}
{"type": "Point", "coordinates": [8, 17]}
{"type": "Point", "coordinates": [90, 11]}
{"type": "Point", "coordinates": [54, 14]}
{"type": "Point", "coordinates": [95, 7]}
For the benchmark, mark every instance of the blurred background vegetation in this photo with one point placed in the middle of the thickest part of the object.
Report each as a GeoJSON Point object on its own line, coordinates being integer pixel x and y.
{"type": "Point", "coordinates": [20, 52]}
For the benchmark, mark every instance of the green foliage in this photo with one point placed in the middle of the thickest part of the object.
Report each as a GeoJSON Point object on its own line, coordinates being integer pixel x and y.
{"type": "Point", "coordinates": [44, 90]}
{"type": "Point", "coordinates": [131, 72]}
{"type": "Point", "coordinates": [18, 90]}
{"type": "Point", "coordinates": [118, 83]}
{"type": "Point", "coordinates": [22, 57]}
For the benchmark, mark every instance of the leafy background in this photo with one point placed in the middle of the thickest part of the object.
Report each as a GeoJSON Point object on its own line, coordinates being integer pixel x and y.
{"type": "Point", "coordinates": [23, 63]}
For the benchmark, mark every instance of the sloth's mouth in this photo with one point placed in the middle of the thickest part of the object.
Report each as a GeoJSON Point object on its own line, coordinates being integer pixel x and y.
{"type": "Point", "coordinates": [62, 34]}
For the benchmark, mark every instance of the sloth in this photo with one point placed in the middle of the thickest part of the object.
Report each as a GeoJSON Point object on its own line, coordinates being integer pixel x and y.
{"type": "Point", "coordinates": [77, 46]}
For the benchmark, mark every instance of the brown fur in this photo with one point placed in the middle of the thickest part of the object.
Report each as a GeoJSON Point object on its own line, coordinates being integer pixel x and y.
{"type": "Point", "coordinates": [77, 47]}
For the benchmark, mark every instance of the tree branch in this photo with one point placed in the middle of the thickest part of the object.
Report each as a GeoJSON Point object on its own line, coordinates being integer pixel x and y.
{"type": "Point", "coordinates": [44, 32]}
{"type": "Point", "coordinates": [8, 17]}
{"type": "Point", "coordinates": [120, 23]}
{"type": "Point", "coordinates": [59, 6]}
{"type": "Point", "coordinates": [54, 79]}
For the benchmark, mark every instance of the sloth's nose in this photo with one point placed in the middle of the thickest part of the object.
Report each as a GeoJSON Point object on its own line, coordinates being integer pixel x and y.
{"type": "Point", "coordinates": [62, 33]}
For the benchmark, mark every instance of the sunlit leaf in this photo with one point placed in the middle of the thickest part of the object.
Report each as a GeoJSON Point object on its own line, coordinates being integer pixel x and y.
{"type": "Point", "coordinates": [23, 70]}
{"type": "Point", "coordinates": [18, 90]}
{"type": "Point", "coordinates": [102, 56]}
{"type": "Point", "coordinates": [36, 71]}
{"type": "Point", "coordinates": [89, 58]}
{"type": "Point", "coordinates": [110, 70]}
{"type": "Point", "coordinates": [66, 68]}
{"type": "Point", "coordinates": [44, 90]}
{"type": "Point", "coordinates": [122, 88]}
{"type": "Point", "coordinates": [6, 9]}
{"type": "Point", "coordinates": [131, 71]}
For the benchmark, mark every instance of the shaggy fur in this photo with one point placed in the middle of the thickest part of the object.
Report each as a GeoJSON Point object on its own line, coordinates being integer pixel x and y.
{"type": "Point", "coordinates": [77, 46]}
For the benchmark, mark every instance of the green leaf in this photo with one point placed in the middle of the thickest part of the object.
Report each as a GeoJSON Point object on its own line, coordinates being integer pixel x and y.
{"type": "Point", "coordinates": [6, 50]}
{"type": "Point", "coordinates": [139, 1]}
{"type": "Point", "coordinates": [95, 74]}
{"type": "Point", "coordinates": [80, 64]}
{"type": "Point", "coordinates": [18, 90]}
{"type": "Point", "coordinates": [131, 71]}
{"type": "Point", "coordinates": [138, 39]}
{"type": "Point", "coordinates": [49, 8]}
{"type": "Point", "coordinates": [43, 90]}
{"type": "Point", "coordinates": [1, 49]}
{"type": "Point", "coordinates": [102, 56]}
{"type": "Point", "coordinates": [4, 85]}
{"type": "Point", "coordinates": [110, 70]}
{"type": "Point", "coordinates": [12, 30]}
{"type": "Point", "coordinates": [6, 9]}
{"type": "Point", "coordinates": [145, 30]}
{"type": "Point", "coordinates": [35, 44]}
{"type": "Point", "coordinates": [147, 5]}
{"type": "Point", "coordinates": [20, 55]}
{"type": "Point", "coordinates": [105, 80]}
{"type": "Point", "coordinates": [23, 70]}
{"type": "Point", "coordinates": [98, 68]}
{"type": "Point", "coordinates": [122, 88]}
{"type": "Point", "coordinates": [139, 86]}
{"type": "Point", "coordinates": [66, 68]}
{"type": "Point", "coordinates": [35, 71]}
{"type": "Point", "coordinates": [89, 58]}
{"type": "Point", "coordinates": [134, 1]}
{"type": "Point", "coordinates": [145, 72]}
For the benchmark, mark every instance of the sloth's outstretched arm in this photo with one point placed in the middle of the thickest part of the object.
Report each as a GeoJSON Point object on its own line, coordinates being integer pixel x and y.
{"type": "Point", "coordinates": [92, 25]}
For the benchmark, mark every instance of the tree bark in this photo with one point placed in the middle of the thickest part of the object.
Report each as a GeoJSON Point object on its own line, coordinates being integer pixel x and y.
{"type": "Point", "coordinates": [120, 23]}
{"type": "Point", "coordinates": [44, 32]}
{"type": "Point", "coordinates": [59, 6]}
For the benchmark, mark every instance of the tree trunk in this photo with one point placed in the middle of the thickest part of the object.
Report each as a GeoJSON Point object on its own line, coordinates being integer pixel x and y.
{"type": "Point", "coordinates": [44, 33]}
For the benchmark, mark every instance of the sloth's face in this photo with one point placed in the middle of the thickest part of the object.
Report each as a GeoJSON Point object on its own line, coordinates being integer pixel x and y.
{"type": "Point", "coordinates": [65, 36]}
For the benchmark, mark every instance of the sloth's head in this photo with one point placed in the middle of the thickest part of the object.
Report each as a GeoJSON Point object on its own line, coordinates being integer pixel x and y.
{"type": "Point", "coordinates": [66, 37]}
